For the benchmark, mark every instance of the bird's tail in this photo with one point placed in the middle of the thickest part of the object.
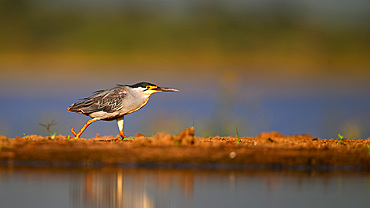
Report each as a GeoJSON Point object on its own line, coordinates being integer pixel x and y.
{"type": "Point", "coordinates": [73, 107]}
{"type": "Point", "coordinates": [77, 107]}
{"type": "Point", "coordinates": [84, 107]}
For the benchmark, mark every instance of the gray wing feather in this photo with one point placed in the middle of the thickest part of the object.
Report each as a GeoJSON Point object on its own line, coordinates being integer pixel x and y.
{"type": "Point", "coordinates": [102, 100]}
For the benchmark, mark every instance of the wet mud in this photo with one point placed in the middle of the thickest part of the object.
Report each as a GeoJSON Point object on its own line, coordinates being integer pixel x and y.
{"type": "Point", "coordinates": [267, 149]}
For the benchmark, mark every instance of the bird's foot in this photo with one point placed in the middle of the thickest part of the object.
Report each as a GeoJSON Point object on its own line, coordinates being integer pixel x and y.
{"type": "Point", "coordinates": [74, 133]}
{"type": "Point", "coordinates": [122, 134]}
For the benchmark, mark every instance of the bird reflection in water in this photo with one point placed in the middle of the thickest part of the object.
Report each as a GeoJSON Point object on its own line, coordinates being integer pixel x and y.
{"type": "Point", "coordinates": [130, 187]}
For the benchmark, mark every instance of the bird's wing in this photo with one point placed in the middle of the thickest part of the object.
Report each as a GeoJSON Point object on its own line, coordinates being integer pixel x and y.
{"type": "Point", "coordinates": [110, 101]}
{"type": "Point", "coordinates": [103, 100]}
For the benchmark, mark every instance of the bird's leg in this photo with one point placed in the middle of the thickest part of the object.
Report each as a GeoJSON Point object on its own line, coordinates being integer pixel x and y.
{"type": "Point", "coordinates": [122, 134]}
{"type": "Point", "coordinates": [73, 132]}
{"type": "Point", "coordinates": [83, 128]}
{"type": "Point", "coordinates": [120, 127]}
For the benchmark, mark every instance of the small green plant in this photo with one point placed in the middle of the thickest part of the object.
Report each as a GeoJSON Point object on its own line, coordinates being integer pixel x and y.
{"type": "Point", "coordinates": [28, 138]}
{"type": "Point", "coordinates": [52, 136]}
{"type": "Point", "coordinates": [48, 126]}
{"type": "Point", "coordinates": [129, 138]}
{"type": "Point", "coordinates": [237, 133]}
{"type": "Point", "coordinates": [69, 137]}
{"type": "Point", "coordinates": [341, 139]}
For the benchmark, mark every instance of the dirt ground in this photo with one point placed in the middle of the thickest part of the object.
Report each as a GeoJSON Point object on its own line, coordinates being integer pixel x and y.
{"type": "Point", "coordinates": [266, 149]}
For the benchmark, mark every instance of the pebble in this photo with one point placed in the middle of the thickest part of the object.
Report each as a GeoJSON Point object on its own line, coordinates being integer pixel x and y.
{"type": "Point", "coordinates": [232, 155]}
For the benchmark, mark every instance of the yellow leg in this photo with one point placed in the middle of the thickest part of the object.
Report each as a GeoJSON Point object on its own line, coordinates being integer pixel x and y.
{"type": "Point", "coordinates": [120, 127]}
{"type": "Point", "coordinates": [122, 134]}
{"type": "Point", "coordinates": [83, 128]}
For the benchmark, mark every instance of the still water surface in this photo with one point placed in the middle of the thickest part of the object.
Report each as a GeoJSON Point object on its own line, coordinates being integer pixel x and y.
{"type": "Point", "coordinates": [320, 111]}
{"type": "Point", "coordinates": [142, 187]}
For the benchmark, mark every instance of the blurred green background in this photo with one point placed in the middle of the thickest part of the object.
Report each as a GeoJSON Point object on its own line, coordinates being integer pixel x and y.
{"type": "Point", "coordinates": [295, 66]}
{"type": "Point", "coordinates": [267, 33]}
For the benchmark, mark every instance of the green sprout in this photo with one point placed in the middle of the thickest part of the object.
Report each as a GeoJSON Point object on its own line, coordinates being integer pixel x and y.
{"type": "Point", "coordinates": [48, 126]}
{"type": "Point", "coordinates": [28, 138]}
{"type": "Point", "coordinates": [237, 133]}
{"type": "Point", "coordinates": [129, 138]}
{"type": "Point", "coordinates": [341, 139]}
{"type": "Point", "coordinates": [69, 137]}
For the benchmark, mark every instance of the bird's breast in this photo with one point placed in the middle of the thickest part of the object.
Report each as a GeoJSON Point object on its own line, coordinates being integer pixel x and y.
{"type": "Point", "coordinates": [137, 105]}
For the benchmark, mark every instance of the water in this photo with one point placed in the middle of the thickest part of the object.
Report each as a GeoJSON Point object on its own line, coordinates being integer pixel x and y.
{"type": "Point", "coordinates": [321, 108]}
{"type": "Point", "coordinates": [124, 187]}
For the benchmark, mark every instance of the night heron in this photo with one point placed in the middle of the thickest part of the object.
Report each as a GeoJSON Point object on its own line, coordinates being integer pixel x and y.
{"type": "Point", "coordinates": [115, 103]}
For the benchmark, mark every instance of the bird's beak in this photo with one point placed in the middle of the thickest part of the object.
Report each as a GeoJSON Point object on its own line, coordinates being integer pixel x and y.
{"type": "Point", "coordinates": [165, 89]}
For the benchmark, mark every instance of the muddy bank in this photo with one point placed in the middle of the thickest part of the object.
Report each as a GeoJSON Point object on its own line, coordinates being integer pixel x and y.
{"type": "Point", "coordinates": [270, 148]}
